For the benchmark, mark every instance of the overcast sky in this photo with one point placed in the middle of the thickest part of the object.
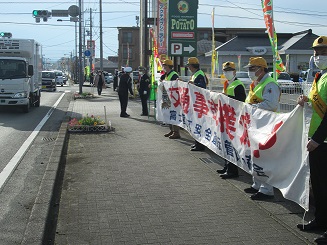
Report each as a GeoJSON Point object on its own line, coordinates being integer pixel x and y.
{"type": "Point", "coordinates": [58, 38]}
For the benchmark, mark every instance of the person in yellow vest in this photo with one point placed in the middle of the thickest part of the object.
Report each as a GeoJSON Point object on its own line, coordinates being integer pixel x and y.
{"type": "Point", "coordinates": [234, 89]}
{"type": "Point", "coordinates": [170, 75]}
{"type": "Point", "coordinates": [264, 94]}
{"type": "Point", "coordinates": [317, 144]}
{"type": "Point", "coordinates": [198, 79]}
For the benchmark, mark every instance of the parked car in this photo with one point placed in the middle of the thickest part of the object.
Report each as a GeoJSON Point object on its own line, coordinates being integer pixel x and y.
{"type": "Point", "coordinates": [108, 77]}
{"type": "Point", "coordinates": [64, 78]}
{"type": "Point", "coordinates": [59, 78]}
{"type": "Point", "coordinates": [307, 79]}
{"type": "Point", "coordinates": [244, 78]}
{"type": "Point", "coordinates": [136, 76]}
{"type": "Point", "coordinates": [49, 80]}
{"type": "Point", "coordinates": [286, 83]}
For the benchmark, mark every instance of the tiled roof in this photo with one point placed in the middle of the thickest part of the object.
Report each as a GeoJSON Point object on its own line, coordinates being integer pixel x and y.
{"type": "Point", "coordinates": [206, 46]}
{"type": "Point", "coordinates": [242, 41]}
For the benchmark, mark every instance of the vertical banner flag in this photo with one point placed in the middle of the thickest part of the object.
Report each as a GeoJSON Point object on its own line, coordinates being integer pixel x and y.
{"type": "Point", "coordinates": [213, 54]}
{"type": "Point", "coordinates": [162, 27]}
{"type": "Point", "coordinates": [153, 58]}
{"type": "Point", "coordinates": [267, 7]}
{"type": "Point", "coordinates": [267, 145]}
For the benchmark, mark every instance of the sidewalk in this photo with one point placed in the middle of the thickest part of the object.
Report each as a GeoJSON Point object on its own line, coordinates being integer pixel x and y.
{"type": "Point", "coordinates": [134, 186]}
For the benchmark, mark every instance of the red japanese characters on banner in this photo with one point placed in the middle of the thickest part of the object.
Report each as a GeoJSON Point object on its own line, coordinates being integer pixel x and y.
{"type": "Point", "coordinates": [263, 143]}
{"type": "Point", "coordinates": [200, 105]}
{"type": "Point", "coordinates": [245, 122]}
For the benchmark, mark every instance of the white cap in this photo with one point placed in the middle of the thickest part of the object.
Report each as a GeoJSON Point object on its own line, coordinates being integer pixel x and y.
{"type": "Point", "coordinates": [128, 69]}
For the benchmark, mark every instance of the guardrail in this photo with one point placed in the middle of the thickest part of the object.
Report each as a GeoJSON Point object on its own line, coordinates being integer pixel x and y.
{"type": "Point", "coordinates": [290, 91]}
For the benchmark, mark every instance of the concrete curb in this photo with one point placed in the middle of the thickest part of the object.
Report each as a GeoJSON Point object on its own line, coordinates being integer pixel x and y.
{"type": "Point", "coordinates": [39, 227]}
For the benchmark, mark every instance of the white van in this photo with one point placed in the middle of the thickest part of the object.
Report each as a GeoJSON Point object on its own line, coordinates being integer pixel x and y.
{"type": "Point", "coordinates": [59, 78]}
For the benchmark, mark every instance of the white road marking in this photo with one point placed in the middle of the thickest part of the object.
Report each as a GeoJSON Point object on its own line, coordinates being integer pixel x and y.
{"type": "Point", "coordinates": [11, 166]}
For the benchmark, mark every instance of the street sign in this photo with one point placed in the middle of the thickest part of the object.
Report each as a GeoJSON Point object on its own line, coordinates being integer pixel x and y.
{"type": "Point", "coordinates": [59, 13]}
{"type": "Point", "coordinates": [87, 53]}
{"type": "Point", "coordinates": [73, 11]}
{"type": "Point", "coordinates": [182, 30]}
{"type": "Point", "coordinates": [89, 47]}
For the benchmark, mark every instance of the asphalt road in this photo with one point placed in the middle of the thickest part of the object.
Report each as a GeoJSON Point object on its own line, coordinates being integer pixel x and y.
{"type": "Point", "coordinates": [19, 190]}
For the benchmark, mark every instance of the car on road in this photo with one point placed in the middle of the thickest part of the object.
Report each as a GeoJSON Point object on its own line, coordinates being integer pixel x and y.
{"type": "Point", "coordinates": [286, 83]}
{"type": "Point", "coordinates": [49, 80]}
{"type": "Point", "coordinates": [59, 78]}
{"type": "Point", "coordinates": [244, 78]}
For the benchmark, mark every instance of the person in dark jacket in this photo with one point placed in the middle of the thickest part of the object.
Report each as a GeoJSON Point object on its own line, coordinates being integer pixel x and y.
{"type": "Point", "coordinates": [115, 80]}
{"type": "Point", "coordinates": [234, 89]}
{"type": "Point", "coordinates": [144, 90]}
{"type": "Point", "coordinates": [99, 82]}
{"type": "Point", "coordinates": [125, 85]}
{"type": "Point", "coordinates": [198, 79]}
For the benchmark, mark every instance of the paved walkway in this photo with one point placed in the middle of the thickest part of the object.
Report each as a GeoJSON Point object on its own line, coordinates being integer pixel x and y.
{"type": "Point", "coordinates": [134, 186]}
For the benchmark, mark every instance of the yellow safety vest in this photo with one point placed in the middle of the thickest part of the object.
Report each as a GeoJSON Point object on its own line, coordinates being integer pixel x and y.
{"type": "Point", "coordinates": [255, 94]}
{"type": "Point", "coordinates": [171, 74]}
{"type": "Point", "coordinates": [230, 90]}
{"type": "Point", "coordinates": [318, 99]}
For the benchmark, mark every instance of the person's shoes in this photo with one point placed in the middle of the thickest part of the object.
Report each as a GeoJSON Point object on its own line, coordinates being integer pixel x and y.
{"type": "Point", "coordinates": [197, 149]}
{"type": "Point", "coordinates": [222, 171]}
{"type": "Point", "coordinates": [250, 190]}
{"type": "Point", "coordinates": [228, 176]}
{"type": "Point", "coordinates": [192, 146]}
{"type": "Point", "coordinates": [174, 136]}
{"type": "Point", "coordinates": [322, 239]}
{"type": "Point", "coordinates": [168, 134]}
{"type": "Point", "coordinates": [124, 115]}
{"type": "Point", "coordinates": [311, 226]}
{"type": "Point", "coordinates": [144, 114]}
{"type": "Point", "coordinates": [260, 196]}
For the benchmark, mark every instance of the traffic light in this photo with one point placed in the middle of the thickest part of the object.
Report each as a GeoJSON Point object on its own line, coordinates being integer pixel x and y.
{"type": "Point", "coordinates": [44, 14]}
{"type": "Point", "coordinates": [5, 34]}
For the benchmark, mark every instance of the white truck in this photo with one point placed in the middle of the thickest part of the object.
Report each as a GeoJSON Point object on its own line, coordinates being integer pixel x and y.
{"type": "Point", "coordinates": [20, 73]}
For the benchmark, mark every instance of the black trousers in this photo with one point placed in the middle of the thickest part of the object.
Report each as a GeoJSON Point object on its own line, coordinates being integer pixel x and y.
{"type": "Point", "coordinates": [318, 176]}
{"type": "Point", "coordinates": [123, 103]}
{"type": "Point", "coordinates": [231, 168]}
{"type": "Point", "coordinates": [198, 145]}
{"type": "Point", "coordinates": [144, 100]}
{"type": "Point", "coordinates": [99, 88]}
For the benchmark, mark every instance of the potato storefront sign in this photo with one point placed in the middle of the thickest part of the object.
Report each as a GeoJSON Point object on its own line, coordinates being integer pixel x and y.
{"type": "Point", "coordinates": [182, 32]}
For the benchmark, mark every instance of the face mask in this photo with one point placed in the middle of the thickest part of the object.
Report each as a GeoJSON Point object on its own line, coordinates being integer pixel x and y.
{"type": "Point", "coordinates": [321, 61]}
{"type": "Point", "coordinates": [229, 75]}
{"type": "Point", "coordinates": [252, 75]}
{"type": "Point", "coordinates": [141, 73]}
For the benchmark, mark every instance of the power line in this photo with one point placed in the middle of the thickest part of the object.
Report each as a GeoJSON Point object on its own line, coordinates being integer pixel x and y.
{"type": "Point", "coordinates": [85, 2]}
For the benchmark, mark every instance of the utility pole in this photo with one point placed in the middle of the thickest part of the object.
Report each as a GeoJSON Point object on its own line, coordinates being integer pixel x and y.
{"type": "Point", "coordinates": [145, 34]}
{"type": "Point", "coordinates": [101, 41]}
{"type": "Point", "coordinates": [91, 43]}
{"type": "Point", "coordinates": [80, 70]}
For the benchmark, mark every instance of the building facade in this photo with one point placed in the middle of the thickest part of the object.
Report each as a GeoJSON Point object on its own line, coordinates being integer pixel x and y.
{"type": "Point", "coordinates": [129, 44]}
{"type": "Point", "coordinates": [129, 48]}
{"type": "Point", "coordinates": [294, 49]}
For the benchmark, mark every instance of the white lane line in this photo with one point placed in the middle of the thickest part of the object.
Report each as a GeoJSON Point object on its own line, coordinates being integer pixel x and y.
{"type": "Point", "coordinates": [11, 166]}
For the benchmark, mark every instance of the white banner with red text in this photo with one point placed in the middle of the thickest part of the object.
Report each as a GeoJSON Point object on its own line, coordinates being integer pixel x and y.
{"type": "Point", "coordinates": [270, 146]}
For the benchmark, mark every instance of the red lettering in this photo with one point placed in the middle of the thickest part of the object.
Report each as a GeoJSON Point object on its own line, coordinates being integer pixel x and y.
{"type": "Point", "coordinates": [245, 121]}
{"type": "Point", "coordinates": [227, 119]}
{"type": "Point", "coordinates": [200, 105]}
